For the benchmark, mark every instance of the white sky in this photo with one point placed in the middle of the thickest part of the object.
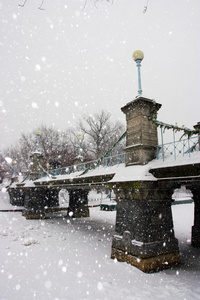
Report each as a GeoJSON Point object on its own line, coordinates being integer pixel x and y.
{"type": "Point", "coordinates": [61, 62]}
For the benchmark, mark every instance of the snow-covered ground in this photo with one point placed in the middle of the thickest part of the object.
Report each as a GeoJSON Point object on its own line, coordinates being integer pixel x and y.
{"type": "Point", "coordinates": [61, 258]}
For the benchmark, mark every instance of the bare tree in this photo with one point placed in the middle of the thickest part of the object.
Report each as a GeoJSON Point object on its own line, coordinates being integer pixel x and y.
{"type": "Point", "coordinates": [100, 133]}
{"type": "Point", "coordinates": [54, 146]}
{"type": "Point", "coordinates": [59, 148]}
{"type": "Point", "coordinates": [5, 167]}
{"type": "Point", "coordinates": [8, 158]}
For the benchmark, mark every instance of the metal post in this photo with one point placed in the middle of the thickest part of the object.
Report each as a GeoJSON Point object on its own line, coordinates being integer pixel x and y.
{"type": "Point", "coordinates": [138, 63]}
{"type": "Point", "coordinates": [106, 162]}
{"type": "Point", "coordinates": [38, 133]}
{"type": "Point", "coordinates": [80, 142]}
{"type": "Point", "coordinates": [198, 139]}
{"type": "Point", "coordinates": [157, 150]}
{"type": "Point", "coordinates": [79, 152]}
{"type": "Point", "coordinates": [37, 146]}
{"type": "Point", "coordinates": [138, 56]}
{"type": "Point", "coordinates": [163, 155]}
{"type": "Point", "coordinates": [14, 165]}
{"type": "Point", "coordinates": [174, 145]}
{"type": "Point", "coordinates": [189, 150]}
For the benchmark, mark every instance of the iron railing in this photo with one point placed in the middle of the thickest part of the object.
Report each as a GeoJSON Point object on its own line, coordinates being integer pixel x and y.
{"type": "Point", "coordinates": [182, 147]}
{"type": "Point", "coordinates": [104, 162]}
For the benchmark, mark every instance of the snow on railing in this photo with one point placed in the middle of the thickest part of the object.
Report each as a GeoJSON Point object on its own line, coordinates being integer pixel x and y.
{"type": "Point", "coordinates": [182, 147]}
{"type": "Point", "coordinates": [108, 161]}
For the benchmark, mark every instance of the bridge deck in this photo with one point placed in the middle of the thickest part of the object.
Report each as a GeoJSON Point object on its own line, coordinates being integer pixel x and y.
{"type": "Point", "coordinates": [182, 168]}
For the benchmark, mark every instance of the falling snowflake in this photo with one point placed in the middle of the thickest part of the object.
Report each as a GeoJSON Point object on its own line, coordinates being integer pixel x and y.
{"type": "Point", "coordinates": [22, 78]}
{"type": "Point", "coordinates": [14, 16]}
{"type": "Point", "coordinates": [18, 287]}
{"type": "Point", "coordinates": [34, 105]}
{"type": "Point", "coordinates": [48, 284]}
{"type": "Point", "coordinates": [100, 286]}
{"type": "Point", "coordinates": [37, 67]}
{"type": "Point", "coordinates": [79, 274]}
{"type": "Point", "coordinates": [8, 160]}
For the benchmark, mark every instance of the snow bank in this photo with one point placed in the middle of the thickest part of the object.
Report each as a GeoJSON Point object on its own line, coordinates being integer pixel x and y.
{"type": "Point", "coordinates": [61, 258]}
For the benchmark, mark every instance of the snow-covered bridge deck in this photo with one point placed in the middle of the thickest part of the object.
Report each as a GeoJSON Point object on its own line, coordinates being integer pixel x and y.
{"type": "Point", "coordinates": [181, 169]}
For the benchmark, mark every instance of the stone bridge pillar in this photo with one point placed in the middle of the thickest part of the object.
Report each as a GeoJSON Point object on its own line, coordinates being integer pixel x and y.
{"type": "Point", "coordinates": [196, 197]}
{"type": "Point", "coordinates": [34, 203]}
{"type": "Point", "coordinates": [144, 234]}
{"type": "Point", "coordinates": [141, 137]}
{"type": "Point", "coordinates": [35, 169]}
{"type": "Point", "coordinates": [16, 196]}
{"type": "Point", "coordinates": [197, 127]}
{"type": "Point", "coordinates": [78, 203]}
{"type": "Point", "coordinates": [196, 226]}
{"type": "Point", "coordinates": [37, 200]}
{"type": "Point", "coordinates": [52, 197]}
{"type": "Point", "coordinates": [144, 226]}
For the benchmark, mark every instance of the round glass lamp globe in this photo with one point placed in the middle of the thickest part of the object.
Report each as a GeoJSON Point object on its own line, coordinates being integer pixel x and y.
{"type": "Point", "coordinates": [38, 132]}
{"type": "Point", "coordinates": [138, 55]}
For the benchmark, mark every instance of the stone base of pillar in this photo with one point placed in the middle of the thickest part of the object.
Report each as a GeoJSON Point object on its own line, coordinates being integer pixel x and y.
{"type": "Point", "coordinates": [144, 234]}
{"type": "Point", "coordinates": [33, 215]}
{"type": "Point", "coordinates": [79, 213]}
{"type": "Point", "coordinates": [195, 237]}
{"type": "Point", "coordinates": [196, 227]}
{"type": "Point", "coordinates": [16, 197]}
{"type": "Point", "coordinates": [34, 203]}
{"type": "Point", "coordinates": [78, 204]}
{"type": "Point", "coordinates": [149, 264]}
{"type": "Point", "coordinates": [52, 197]}
{"type": "Point", "coordinates": [139, 154]}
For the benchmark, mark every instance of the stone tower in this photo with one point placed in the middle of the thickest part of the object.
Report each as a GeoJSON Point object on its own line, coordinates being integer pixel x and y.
{"type": "Point", "coordinates": [141, 138]}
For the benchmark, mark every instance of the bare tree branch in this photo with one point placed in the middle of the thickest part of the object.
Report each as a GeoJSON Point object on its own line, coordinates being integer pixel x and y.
{"type": "Point", "coordinates": [40, 7]}
{"type": "Point", "coordinates": [95, 3]}
{"type": "Point", "coordinates": [84, 5]}
{"type": "Point", "coordinates": [22, 5]}
{"type": "Point", "coordinates": [145, 7]}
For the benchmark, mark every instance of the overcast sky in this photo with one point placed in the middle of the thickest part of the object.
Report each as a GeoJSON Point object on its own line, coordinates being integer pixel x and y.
{"type": "Point", "coordinates": [59, 63]}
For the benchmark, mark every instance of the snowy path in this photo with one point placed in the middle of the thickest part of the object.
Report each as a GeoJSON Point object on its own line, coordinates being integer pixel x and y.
{"type": "Point", "coordinates": [62, 258]}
